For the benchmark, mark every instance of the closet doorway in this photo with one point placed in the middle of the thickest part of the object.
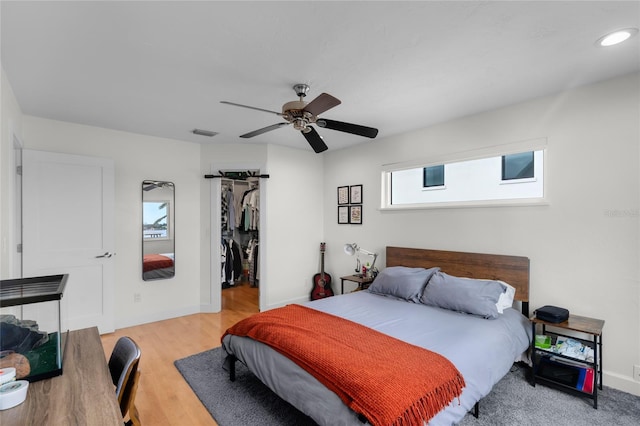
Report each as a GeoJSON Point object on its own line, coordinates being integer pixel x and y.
{"type": "Point", "coordinates": [238, 204]}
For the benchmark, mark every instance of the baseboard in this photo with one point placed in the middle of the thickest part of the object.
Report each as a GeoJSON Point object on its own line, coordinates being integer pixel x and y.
{"type": "Point", "coordinates": [302, 299]}
{"type": "Point", "coordinates": [208, 309]}
{"type": "Point", "coordinates": [156, 316]}
{"type": "Point", "coordinates": [620, 382]}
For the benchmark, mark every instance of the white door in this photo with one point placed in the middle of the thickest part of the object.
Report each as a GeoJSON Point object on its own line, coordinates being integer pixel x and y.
{"type": "Point", "coordinates": [68, 228]}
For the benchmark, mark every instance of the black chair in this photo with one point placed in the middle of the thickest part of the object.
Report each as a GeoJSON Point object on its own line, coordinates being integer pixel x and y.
{"type": "Point", "coordinates": [123, 365]}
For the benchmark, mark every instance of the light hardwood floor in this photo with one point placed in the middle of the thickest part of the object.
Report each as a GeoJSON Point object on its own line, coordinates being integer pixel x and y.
{"type": "Point", "coordinates": [164, 398]}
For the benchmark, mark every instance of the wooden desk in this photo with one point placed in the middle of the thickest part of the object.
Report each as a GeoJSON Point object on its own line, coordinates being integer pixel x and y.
{"type": "Point", "coordinates": [83, 395]}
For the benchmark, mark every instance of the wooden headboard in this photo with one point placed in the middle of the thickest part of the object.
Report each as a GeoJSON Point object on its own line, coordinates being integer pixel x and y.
{"type": "Point", "coordinates": [511, 269]}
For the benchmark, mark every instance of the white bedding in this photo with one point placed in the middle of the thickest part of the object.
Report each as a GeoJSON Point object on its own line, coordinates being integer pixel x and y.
{"type": "Point", "coordinates": [483, 350]}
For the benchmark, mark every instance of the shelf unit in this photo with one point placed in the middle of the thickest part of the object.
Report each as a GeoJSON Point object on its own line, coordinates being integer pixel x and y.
{"type": "Point", "coordinates": [575, 323]}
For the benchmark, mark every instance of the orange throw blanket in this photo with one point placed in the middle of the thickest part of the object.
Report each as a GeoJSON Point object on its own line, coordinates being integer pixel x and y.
{"type": "Point", "coordinates": [388, 381]}
{"type": "Point", "coordinates": [155, 261]}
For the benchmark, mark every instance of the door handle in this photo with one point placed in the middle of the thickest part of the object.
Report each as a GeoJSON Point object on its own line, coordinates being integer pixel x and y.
{"type": "Point", "coordinates": [106, 254]}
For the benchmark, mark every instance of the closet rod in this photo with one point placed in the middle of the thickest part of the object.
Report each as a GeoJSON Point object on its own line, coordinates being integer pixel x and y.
{"type": "Point", "coordinates": [236, 175]}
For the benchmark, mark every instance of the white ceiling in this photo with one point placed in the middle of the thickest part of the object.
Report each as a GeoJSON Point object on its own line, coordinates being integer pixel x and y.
{"type": "Point", "coordinates": [161, 68]}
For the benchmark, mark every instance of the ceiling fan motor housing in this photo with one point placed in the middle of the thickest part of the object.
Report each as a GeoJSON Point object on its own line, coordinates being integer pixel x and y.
{"type": "Point", "coordinates": [294, 113]}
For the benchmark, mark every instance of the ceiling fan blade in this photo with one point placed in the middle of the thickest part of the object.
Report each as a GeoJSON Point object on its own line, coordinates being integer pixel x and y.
{"type": "Point", "coordinates": [250, 107]}
{"type": "Point", "coordinates": [314, 140]}
{"type": "Point", "coordinates": [149, 186]}
{"type": "Point", "coordinates": [322, 103]}
{"type": "Point", "coordinates": [355, 129]}
{"type": "Point", "coordinates": [263, 130]}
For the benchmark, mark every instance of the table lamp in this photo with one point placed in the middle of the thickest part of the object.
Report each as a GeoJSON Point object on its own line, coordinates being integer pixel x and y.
{"type": "Point", "coordinates": [353, 248]}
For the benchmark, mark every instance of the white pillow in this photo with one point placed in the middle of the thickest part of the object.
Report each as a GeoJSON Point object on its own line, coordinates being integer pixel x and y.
{"type": "Point", "coordinates": [505, 300]}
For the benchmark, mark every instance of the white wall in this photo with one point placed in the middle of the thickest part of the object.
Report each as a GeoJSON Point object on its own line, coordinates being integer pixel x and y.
{"type": "Point", "coordinates": [583, 246]}
{"type": "Point", "coordinates": [294, 215]}
{"type": "Point", "coordinates": [137, 158]}
{"type": "Point", "coordinates": [291, 223]}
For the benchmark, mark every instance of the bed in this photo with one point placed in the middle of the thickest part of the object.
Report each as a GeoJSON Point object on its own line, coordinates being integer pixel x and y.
{"type": "Point", "coordinates": [158, 265]}
{"type": "Point", "coordinates": [482, 350]}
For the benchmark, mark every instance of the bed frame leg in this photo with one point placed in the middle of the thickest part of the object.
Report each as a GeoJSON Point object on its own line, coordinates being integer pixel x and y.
{"type": "Point", "coordinates": [476, 410]}
{"type": "Point", "coordinates": [231, 362]}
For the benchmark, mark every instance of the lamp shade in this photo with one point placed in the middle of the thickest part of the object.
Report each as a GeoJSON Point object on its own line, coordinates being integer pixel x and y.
{"type": "Point", "coordinates": [350, 249]}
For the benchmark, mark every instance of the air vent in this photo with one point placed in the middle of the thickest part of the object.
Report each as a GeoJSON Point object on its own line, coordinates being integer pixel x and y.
{"type": "Point", "coordinates": [201, 132]}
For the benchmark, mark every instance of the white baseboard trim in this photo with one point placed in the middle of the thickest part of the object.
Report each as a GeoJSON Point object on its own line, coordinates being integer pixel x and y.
{"type": "Point", "coordinates": [620, 382]}
{"type": "Point", "coordinates": [302, 299]}
{"type": "Point", "coordinates": [208, 309]}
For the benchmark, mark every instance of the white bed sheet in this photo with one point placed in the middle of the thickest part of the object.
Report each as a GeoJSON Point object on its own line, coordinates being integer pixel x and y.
{"type": "Point", "coordinates": [482, 350]}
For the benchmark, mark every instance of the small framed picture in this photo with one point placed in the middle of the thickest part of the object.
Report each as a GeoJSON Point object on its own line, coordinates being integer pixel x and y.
{"type": "Point", "coordinates": [343, 214]}
{"type": "Point", "coordinates": [355, 215]}
{"type": "Point", "coordinates": [343, 195]}
{"type": "Point", "coordinates": [355, 194]}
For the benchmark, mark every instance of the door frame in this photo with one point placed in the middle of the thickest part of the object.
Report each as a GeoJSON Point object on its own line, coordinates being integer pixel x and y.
{"type": "Point", "coordinates": [215, 286]}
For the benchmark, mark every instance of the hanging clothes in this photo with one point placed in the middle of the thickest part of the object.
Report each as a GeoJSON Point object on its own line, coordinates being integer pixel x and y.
{"type": "Point", "coordinates": [252, 259]}
{"type": "Point", "coordinates": [231, 262]}
{"type": "Point", "coordinates": [237, 259]}
{"type": "Point", "coordinates": [250, 210]}
{"type": "Point", "coordinates": [224, 255]}
{"type": "Point", "coordinates": [224, 211]}
{"type": "Point", "coordinates": [231, 210]}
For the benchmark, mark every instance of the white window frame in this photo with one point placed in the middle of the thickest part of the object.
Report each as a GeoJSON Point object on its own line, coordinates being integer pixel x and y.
{"type": "Point", "coordinates": [539, 144]}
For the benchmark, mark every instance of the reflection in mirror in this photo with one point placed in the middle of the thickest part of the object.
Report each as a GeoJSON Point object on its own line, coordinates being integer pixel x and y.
{"type": "Point", "coordinates": [158, 235]}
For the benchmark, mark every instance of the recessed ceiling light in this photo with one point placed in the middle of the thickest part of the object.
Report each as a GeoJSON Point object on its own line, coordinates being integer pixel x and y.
{"type": "Point", "coordinates": [201, 132]}
{"type": "Point", "coordinates": [616, 37]}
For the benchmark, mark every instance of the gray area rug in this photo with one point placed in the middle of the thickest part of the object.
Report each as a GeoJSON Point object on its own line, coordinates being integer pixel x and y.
{"type": "Point", "coordinates": [513, 401]}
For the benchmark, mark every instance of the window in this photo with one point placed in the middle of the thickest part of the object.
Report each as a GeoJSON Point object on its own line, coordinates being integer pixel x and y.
{"type": "Point", "coordinates": [155, 214]}
{"type": "Point", "coordinates": [500, 175]}
{"type": "Point", "coordinates": [518, 166]}
{"type": "Point", "coordinates": [433, 176]}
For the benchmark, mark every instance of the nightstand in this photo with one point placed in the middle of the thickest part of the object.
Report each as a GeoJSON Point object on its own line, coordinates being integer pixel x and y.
{"type": "Point", "coordinates": [363, 282]}
{"type": "Point", "coordinates": [560, 371]}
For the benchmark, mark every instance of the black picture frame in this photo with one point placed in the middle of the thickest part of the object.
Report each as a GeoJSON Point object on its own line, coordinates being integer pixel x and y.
{"type": "Point", "coordinates": [343, 215]}
{"type": "Point", "coordinates": [355, 194]}
{"type": "Point", "coordinates": [343, 195]}
{"type": "Point", "coordinates": [355, 215]}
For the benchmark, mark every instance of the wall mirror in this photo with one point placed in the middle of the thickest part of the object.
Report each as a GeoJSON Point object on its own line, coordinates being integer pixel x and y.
{"type": "Point", "coordinates": [158, 231]}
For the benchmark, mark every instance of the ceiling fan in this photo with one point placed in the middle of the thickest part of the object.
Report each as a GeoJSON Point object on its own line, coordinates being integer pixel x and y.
{"type": "Point", "coordinates": [303, 114]}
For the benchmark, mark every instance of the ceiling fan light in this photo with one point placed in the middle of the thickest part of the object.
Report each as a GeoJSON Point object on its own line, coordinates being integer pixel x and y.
{"type": "Point", "coordinates": [300, 124]}
{"type": "Point", "coordinates": [616, 37]}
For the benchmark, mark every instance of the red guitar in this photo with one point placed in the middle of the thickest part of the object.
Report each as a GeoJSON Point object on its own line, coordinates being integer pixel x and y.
{"type": "Point", "coordinates": [321, 281]}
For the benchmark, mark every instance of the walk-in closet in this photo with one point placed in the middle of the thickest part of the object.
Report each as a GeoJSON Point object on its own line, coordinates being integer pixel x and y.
{"type": "Point", "coordinates": [240, 232]}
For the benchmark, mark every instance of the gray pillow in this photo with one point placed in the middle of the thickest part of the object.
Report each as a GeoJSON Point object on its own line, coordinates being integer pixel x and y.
{"type": "Point", "coordinates": [402, 282]}
{"type": "Point", "coordinates": [476, 297]}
